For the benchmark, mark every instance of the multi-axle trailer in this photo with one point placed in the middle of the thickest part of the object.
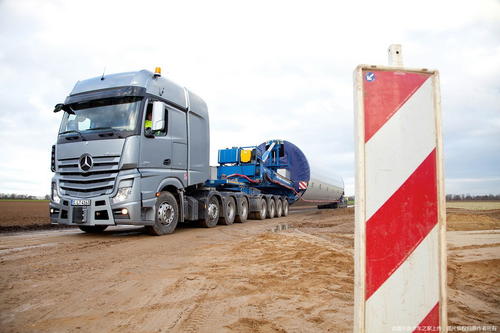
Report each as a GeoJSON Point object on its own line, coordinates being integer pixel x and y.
{"type": "Point", "coordinates": [133, 149]}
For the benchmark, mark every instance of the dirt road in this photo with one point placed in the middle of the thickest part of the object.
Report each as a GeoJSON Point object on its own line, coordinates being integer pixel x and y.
{"type": "Point", "coordinates": [291, 274]}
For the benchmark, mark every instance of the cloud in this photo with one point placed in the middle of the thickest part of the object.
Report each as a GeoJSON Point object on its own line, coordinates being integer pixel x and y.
{"type": "Point", "coordinates": [266, 69]}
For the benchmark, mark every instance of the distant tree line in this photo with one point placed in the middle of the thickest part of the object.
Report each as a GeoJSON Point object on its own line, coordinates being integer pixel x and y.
{"type": "Point", "coordinates": [469, 197]}
{"type": "Point", "coordinates": [14, 196]}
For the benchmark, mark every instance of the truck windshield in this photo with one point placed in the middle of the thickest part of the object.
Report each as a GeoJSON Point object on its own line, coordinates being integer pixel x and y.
{"type": "Point", "coordinates": [109, 113]}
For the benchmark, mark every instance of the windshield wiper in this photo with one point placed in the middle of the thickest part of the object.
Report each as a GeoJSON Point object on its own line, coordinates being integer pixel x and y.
{"type": "Point", "coordinates": [101, 128]}
{"type": "Point", "coordinates": [111, 131]}
{"type": "Point", "coordinates": [73, 137]}
{"type": "Point", "coordinates": [71, 131]}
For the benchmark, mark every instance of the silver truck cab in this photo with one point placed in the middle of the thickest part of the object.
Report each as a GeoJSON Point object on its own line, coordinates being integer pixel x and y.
{"type": "Point", "coordinates": [109, 167]}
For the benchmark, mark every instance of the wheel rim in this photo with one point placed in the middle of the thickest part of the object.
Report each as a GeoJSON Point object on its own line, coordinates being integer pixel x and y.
{"type": "Point", "coordinates": [272, 210]}
{"type": "Point", "coordinates": [244, 210]}
{"type": "Point", "coordinates": [231, 212]}
{"type": "Point", "coordinates": [285, 208]}
{"type": "Point", "coordinates": [213, 211]}
{"type": "Point", "coordinates": [263, 209]}
{"type": "Point", "coordinates": [166, 213]}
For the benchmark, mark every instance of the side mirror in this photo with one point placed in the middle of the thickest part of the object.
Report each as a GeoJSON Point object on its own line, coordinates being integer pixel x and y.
{"type": "Point", "coordinates": [58, 107]}
{"type": "Point", "coordinates": [158, 116]}
{"type": "Point", "coordinates": [63, 107]}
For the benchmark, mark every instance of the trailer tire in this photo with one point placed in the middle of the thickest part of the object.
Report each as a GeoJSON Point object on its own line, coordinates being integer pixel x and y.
{"type": "Point", "coordinates": [285, 207]}
{"type": "Point", "coordinates": [93, 229]}
{"type": "Point", "coordinates": [262, 213]}
{"type": "Point", "coordinates": [211, 214]}
{"type": "Point", "coordinates": [166, 215]}
{"type": "Point", "coordinates": [243, 211]}
{"type": "Point", "coordinates": [279, 207]}
{"type": "Point", "coordinates": [271, 210]}
{"type": "Point", "coordinates": [229, 212]}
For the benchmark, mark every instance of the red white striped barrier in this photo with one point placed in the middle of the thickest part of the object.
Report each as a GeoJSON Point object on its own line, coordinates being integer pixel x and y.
{"type": "Point", "coordinates": [400, 258]}
{"type": "Point", "coordinates": [302, 185]}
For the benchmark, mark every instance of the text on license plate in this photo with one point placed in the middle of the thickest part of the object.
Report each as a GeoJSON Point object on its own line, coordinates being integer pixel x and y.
{"type": "Point", "coordinates": [80, 202]}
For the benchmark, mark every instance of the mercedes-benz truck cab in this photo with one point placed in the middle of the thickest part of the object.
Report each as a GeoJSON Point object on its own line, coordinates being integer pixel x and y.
{"type": "Point", "coordinates": [123, 140]}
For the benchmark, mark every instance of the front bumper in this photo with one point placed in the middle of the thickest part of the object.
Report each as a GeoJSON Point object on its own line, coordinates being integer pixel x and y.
{"type": "Point", "coordinates": [100, 211]}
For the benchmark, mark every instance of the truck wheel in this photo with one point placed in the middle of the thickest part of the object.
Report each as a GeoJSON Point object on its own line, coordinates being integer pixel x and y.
{"type": "Point", "coordinates": [211, 214]}
{"type": "Point", "coordinates": [279, 207]}
{"type": "Point", "coordinates": [243, 211]}
{"type": "Point", "coordinates": [271, 211]}
{"type": "Point", "coordinates": [261, 214]}
{"type": "Point", "coordinates": [93, 229]}
{"type": "Point", "coordinates": [166, 215]}
{"type": "Point", "coordinates": [229, 212]}
{"type": "Point", "coordinates": [285, 207]}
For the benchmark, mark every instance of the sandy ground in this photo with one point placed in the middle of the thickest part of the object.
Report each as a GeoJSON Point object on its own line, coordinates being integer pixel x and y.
{"type": "Point", "coordinates": [291, 274]}
{"type": "Point", "coordinates": [474, 263]}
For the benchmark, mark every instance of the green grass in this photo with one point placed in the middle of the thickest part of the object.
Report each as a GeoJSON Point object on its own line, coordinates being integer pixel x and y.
{"type": "Point", "coordinates": [474, 205]}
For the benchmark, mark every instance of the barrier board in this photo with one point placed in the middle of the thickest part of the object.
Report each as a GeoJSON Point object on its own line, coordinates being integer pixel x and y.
{"type": "Point", "coordinates": [400, 247]}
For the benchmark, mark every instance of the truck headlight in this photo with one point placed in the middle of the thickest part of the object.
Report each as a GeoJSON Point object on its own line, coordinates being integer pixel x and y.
{"type": "Point", "coordinates": [124, 190]}
{"type": "Point", "coordinates": [55, 196]}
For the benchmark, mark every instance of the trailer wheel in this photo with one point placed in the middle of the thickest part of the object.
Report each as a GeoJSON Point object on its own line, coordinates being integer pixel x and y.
{"type": "Point", "coordinates": [285, 207]}
{"type": "Point", "coordinates": [93, 229]}
{"type": "Point", "coordinates": [243, 211]}
{"type": "Point", "coordinates": [279, 207]}
{"type": "Point", "coordinates": [261, 214]}
{"type": "Point", "coordinates": [271, 211]}
{"type": "Point", "coordinates": [166, 215]}
{"type": "Point", "coordinates": [229, 212]}
{"type": "Point", "coordinates": [211, 214]}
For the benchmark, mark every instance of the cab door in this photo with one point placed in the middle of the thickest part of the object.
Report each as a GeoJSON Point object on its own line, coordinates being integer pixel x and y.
{"type": "Point", "coordinates": [156, 150]}
{"type": "Point", "coordinates": [177, 131]}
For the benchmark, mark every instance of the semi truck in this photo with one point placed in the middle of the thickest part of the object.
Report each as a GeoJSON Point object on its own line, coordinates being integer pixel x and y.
{"type": "Point", "coordinates": [133, 149]}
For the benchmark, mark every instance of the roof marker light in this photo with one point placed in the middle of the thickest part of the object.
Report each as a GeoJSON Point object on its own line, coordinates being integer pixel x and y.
{"type": "Point", "coordinates": [157, 72]}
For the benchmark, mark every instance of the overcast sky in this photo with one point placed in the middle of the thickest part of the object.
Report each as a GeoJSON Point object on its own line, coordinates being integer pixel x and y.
{"type": "Point", "coordinates": [267, 69]}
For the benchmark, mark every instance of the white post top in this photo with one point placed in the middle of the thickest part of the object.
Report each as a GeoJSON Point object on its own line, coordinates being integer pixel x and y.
{"type": "Point", "coordinates": [395, 53]}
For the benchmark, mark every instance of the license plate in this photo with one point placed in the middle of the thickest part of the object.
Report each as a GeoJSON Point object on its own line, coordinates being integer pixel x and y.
{"type": "Point", "coordinates": [80, 202]}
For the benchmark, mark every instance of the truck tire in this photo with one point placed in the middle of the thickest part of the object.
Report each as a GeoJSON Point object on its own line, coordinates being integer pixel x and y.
{"type": "Point", "coordinates": [279, 207]}
{"type": "Point", "coordinates": [211, 214]}
{"type": "Point", "coordinates": [93, 229]}
{"type": "Point", "coordinates": [166, 215]}
{"type": "Point", "coordinates": [271, 210]}
{"type": "Point", "coordinates": [229, 213]}
{"type": "Point", "coordinates": [262, 213]}
{"type": "Point", "coordinates": [243, 211]}
{"type": "Point", "coordinates": [285, 207]}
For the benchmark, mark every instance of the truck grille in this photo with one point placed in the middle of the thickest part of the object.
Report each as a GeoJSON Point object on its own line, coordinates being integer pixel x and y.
{"type": "Point", "coordinates": [99, 180]}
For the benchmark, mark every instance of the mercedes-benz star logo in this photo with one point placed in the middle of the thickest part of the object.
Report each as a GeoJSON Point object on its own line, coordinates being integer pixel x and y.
{"type": "Point", "coordinates": [86, 162]}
